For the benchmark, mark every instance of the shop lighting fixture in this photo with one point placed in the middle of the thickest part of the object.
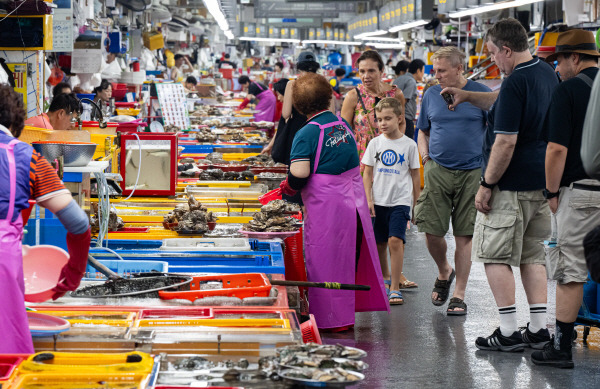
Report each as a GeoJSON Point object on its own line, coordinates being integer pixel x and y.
{"type": "Point", "coordinates": [386, 45]}
{"type": "Point", "coordinates": [229, 34]}
{"type": "Point", "coordinates": [326, 42]}
{"type": "Point", "coordinates": [371, 33]}
{"type": "Point", "coordinates": [382, 39]}
{"type": "Point", "coordinates": [214, 8]}
{"type": "Point", "coordinates": [492, 7]}
{"type": "Point", "coordinates": [280, 40]}
{"type": "Point", "coordinates": [406, 26]}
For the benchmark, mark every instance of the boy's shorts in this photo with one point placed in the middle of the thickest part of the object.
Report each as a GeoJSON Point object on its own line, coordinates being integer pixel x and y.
{"type": "Point", "coordinates": [391, 221]}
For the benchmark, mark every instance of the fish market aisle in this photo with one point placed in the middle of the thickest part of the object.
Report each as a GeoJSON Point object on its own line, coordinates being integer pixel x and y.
{"type": "Point", "coordinates": [418, 346]}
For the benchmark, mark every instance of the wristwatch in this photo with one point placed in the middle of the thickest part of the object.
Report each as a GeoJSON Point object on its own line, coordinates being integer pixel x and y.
{"type": "Point", "coordinates": [485, 184]}
{"type": "Point", "coordinates": [550, 195]}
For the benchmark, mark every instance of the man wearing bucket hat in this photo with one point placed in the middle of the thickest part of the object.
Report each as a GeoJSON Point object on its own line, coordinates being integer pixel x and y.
{"type": "Point", "coordinates": [574, 197]}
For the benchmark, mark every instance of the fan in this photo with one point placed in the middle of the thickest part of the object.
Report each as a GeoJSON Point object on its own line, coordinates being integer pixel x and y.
{"type": "Point", "coordinates": [135, 5]}
{"type": "Point", "coordinates": [160, 13]}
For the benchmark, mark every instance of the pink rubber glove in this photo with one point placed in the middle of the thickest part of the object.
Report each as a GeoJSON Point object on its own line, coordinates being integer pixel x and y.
{"type": "Point", "coordinates": [71, 274]}
{"type": "Point", "coordinates": [286, 188]}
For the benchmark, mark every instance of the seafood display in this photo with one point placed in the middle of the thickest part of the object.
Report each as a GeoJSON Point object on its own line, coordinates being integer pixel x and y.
{"type": "Point", "coordinates": [172, 128]}
{"type": "Point", "coordinates": [321, 351]}
{"type": "Point", "coordinates": [337, 375]}
{"type": "Point", "coordinates": [218, 175]}
{"type": "Point", "coordinates": [205, 135]}
{"type": "Point", "coordinates": [191, 219]}
{"type": "Point", "coordinates": [115, 223]}
{"type": "Point", "coordinates": [200, 363]}
{"type": "Point", "coordinates": [262, 160]}
{"type": "Point", "coordinates": [143, 287]}
{"type": "Point", "coordinates": [272, 176]}
{"type": "Point", "coordinates": [258, 140]}
{"type": "Point", "coordinates": [272, 218]}
{"type": "Point", "coordinates": [318, 368]}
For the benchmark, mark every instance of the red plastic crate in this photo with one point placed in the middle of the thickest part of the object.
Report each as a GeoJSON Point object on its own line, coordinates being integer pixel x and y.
{"type": "Point", "coordinates": [275, 194]}
{"type": "Point", "coordinates": [8, 364]}
{"type": "Point", "coordinates": [310, 332]}
{"type": "Point", "coordinates": [293, 257]}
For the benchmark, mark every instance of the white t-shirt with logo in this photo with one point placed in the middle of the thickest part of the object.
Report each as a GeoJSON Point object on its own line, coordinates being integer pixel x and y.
{"type": "Point", "coordinates": [392, 161]}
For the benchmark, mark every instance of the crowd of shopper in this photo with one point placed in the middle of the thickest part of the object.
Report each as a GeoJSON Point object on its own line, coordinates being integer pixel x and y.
{"type": "Point", "coordinates": [498, 166]}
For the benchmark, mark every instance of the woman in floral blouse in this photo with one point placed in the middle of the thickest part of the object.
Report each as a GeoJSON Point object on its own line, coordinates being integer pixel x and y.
{"type": "Point", "coordinates": [359, 106]}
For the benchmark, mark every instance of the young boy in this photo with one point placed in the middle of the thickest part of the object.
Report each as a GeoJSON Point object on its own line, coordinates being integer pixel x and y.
{"type": "Point", "coordinates": [392, 183]}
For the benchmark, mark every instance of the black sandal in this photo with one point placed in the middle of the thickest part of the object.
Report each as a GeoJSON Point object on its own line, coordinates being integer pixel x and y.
{"type": "Point", "coordinates": [456, 302]}
{"type": "Point", "coordinates": [442, 288]}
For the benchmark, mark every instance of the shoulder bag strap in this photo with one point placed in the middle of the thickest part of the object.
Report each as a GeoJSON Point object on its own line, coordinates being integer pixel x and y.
{"type": "Point", "coordinates": [360, 99]}
{"type": "Point", "coordinates": [585, 78]}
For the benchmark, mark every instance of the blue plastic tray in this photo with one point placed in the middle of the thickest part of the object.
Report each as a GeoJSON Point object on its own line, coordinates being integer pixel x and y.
{"type": "Point", "coordinates": [265, 257]}
{"type": "Point", "coordinates": [125, 268]}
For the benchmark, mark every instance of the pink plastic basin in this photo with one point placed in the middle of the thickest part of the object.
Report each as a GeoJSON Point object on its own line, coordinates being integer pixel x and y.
{"type": "Point", "coordinates": [41, 268]}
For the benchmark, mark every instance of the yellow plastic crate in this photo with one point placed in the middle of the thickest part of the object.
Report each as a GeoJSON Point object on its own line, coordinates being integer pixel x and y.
{"type": "Point", "coordinates": [34, 134]}
{"type": "Point", "coordinates": [82, 363]}
{"type": "Point", "coordinates": [78, 380]}
{"type": "Point", "coordinates": [153, 40]}
{"type": "Point", "coordinates": [103, 317]}
{"type": "Point", "coordinates": [128, 111]}
{"type": "Point", "coordinates": [264, 324]}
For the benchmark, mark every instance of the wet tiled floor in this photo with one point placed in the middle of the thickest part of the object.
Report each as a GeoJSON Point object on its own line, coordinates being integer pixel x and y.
{"type": "Point", "coordinates": [418, 346]}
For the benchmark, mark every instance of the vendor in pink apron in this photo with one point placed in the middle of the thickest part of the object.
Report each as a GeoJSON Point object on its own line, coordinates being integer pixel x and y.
{"type": "Point", "coordinates": [25, 174]}
{"type": "Point", "coordinates": [325, 168]}
{"type": "Point", "coordinates": [266, 99]}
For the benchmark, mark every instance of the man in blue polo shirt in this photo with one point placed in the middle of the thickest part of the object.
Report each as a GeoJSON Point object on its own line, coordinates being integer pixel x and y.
{"type": "Point", "coordinates": [514, 218]}
{"type": "Point", "coordinates": [450, 144]}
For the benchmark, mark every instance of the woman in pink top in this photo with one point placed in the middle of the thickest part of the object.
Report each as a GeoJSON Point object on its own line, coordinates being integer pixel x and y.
{"type": "Point", "coordinates": [359, 106]}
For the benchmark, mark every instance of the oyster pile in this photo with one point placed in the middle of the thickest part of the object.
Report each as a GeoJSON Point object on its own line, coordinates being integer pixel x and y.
{"type": "Point", "coordinates": [272, 176]}
{"type": "Point", "coordinates": [327, 375]}
{"type": "Point", "coordinates": [258, 140]}
{"type": "Point", "coordinates": [172, 128]}
{"type": "Point", "coordinates": [261, 160]}
{"type": "Point", "coordinates": [199, 363]}
{"type": "Point", "coordinates": [194, 218]}
{"type": "Point", "coordinates": [218, 175]}
{"type": "Point", "coordinates": [272, 218]}
{"type": "Point", "coordinates": [320, 350]}
{"type": "Point", "coordinates": [115, 223]}
{"type": "Point", "coordinates": [215, 158]}
{"type": "Point", "coordinates": [206, 135]}
{"type": "Point", "coordinates": [212, 175]}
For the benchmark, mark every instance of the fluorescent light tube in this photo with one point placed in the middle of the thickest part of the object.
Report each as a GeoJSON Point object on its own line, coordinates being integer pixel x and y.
{"type": "Point", "coordinates": [386, 45]}
{"type": "Point", "coordinates": [370, 33]}
{"type": "Point", "coordinates": [406, 26]}
{"type": "Point", "coordinates": [491, 7]}
{"type": "Point", "coordinates": [382, 39]}
{"type": "Point", "coordinates": [280, 40]}
{"type": "Point", "coordinates": [327, 42]}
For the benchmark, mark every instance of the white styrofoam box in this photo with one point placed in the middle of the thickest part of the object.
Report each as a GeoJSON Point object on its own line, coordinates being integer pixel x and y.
{"type": "Point", "coordinates": [135, 78]}
{"type": "Point", "coordinates": [206, 244]}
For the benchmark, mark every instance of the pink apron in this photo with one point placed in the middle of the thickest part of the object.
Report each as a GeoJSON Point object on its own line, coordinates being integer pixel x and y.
{"type": "Point", "coordinates": [332, 205]}
{"type": "Point", "coordinates": [266, 105]}
{"type": "Point", "coordinates": [14, 326]}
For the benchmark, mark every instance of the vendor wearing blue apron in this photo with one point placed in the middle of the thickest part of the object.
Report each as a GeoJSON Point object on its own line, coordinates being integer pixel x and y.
{"type": "Point", "coordinates": [266, 99]}
{"type": "Point", "coordinates": [25, 174]}
{"type": "Point", "coordinates": [325, 168]}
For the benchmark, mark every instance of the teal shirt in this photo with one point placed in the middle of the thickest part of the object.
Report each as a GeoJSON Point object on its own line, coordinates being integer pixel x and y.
{"type": "Point", "coordinates": [338, 153]}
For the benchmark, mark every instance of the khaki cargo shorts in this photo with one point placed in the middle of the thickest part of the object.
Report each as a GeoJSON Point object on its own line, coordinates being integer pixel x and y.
{"type": "Point", "coordinates": [513, 232]}
{"type": "Point", "coordinates": [578, 213]}
{"type": "Point", "coordinates": [447, 194]}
